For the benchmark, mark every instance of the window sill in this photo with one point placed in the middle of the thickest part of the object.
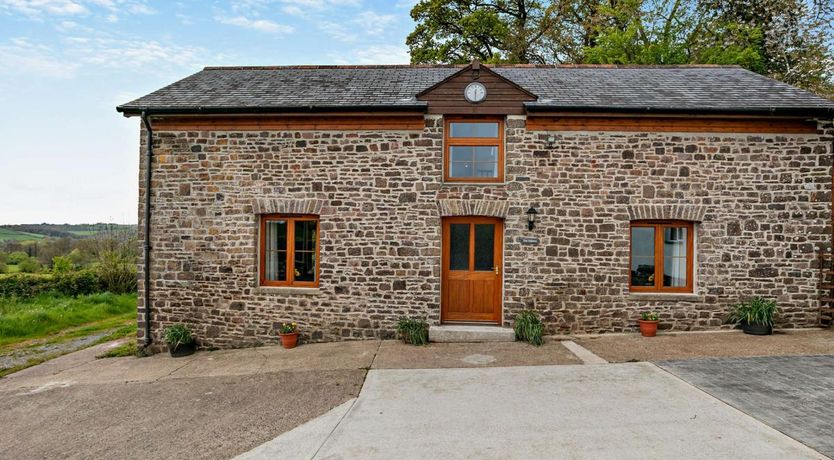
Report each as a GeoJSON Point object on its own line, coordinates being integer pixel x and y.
{"type": "Point", "coordinates": [448, 182]}
{"type": "Point", "coordinates": [666, 296]}
{"type": "Point", "coordinates": [287, 290]}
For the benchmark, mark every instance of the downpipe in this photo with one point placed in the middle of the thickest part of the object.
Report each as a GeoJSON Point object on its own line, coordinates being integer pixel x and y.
{"type": "Point", "coordinates": [146, 244]}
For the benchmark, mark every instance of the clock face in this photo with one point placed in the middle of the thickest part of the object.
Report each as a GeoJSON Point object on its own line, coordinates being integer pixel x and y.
{"type": "Point", "coordinates": [475, 92]}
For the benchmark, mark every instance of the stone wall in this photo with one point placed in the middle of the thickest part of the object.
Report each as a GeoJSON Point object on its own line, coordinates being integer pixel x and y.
{"type": "Point", "coordinates": [762, 203]}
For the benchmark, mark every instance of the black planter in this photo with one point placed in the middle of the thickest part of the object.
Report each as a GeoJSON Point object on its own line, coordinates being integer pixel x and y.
{"type": "Point", "coordinates": [183, 349]}
{"type": "Point", "coordinates": [756, 328]}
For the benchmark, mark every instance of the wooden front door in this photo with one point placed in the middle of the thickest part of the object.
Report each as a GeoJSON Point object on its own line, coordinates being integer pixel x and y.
{"type": "Point", "coordinates": [471, 283]}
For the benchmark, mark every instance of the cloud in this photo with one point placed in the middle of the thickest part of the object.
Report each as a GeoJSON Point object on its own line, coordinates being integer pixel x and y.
{"type": "Point", "coordinates": [374, 23]}
{"type": "Point", "coordinates": [37, 8]}
{"type": "Point", "coordinates": [262, 25]}
{"type": "Point", "coordinates": [364, 23]}
{"type": "Point", "coordinates": [19, 56]}
{"type": "Point", "coordinates": [373, 55]}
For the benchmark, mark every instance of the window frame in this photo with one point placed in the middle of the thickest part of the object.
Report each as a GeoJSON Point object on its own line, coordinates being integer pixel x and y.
{"type": "Point", "coordinates": [659, 226]}
{"type": "Point", "coordinates": [291, 220]}
{"type": "Point", "coordinates": [449, 141]}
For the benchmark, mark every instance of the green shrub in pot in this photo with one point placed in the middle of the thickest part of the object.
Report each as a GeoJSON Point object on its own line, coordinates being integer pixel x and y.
{"type": "Point", "coordinates": [755, 316]}
{"type": "Point", "coordinates": [179, 339]}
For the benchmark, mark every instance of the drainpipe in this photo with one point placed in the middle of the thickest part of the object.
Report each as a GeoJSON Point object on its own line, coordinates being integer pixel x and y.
{"type": "Point", "coordinates": [146, 245]}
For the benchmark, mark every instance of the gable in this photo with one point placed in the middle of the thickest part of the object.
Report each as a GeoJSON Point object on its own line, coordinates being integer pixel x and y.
{"type": "Point", "coordinates": [503, 96]}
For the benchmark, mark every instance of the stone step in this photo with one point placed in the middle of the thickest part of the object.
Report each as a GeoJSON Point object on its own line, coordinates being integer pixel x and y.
{"type": "Point", "coordinates": [463, 333]}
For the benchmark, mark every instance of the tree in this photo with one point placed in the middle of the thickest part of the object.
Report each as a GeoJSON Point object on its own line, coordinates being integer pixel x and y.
{"type": "Point", "coordinates": [493, 31]}
{"type": "Point", "coordinates": [790, 40]}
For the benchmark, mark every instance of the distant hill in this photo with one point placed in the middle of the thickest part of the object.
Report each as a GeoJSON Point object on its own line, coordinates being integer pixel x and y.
{"type": "Point", "coordinates": [27, 232]}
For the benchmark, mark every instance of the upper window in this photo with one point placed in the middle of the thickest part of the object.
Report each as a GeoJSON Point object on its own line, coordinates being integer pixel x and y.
{"type": "Point", "coordinates": [289, 251]}
{"type": "Point", "coordinates": [474, 150]}
{"type": "Point", "coordinates": [661, 256]}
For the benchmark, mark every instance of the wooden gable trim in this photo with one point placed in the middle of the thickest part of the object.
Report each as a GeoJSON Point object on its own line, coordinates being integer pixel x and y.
{"type": "Point", "coordinates": [312, 122]}
{"type": "Point", "coordinates": [682, 124]}
{"type": "Point", "coordinates": [504, 97]}
{"type": "Point", "coordinates": [478, 67]}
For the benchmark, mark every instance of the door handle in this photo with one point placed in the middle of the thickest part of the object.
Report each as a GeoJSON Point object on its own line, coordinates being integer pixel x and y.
{"type": "Point", "coordinates": [496, 269]}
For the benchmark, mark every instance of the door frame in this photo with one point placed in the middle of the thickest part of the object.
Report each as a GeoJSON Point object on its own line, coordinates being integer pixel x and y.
{"type": "Point", "coordinates": [444, 256]}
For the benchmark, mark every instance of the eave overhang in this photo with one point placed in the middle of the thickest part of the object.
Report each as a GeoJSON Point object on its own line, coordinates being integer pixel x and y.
{"type": "Point", "coordinates": [539, 108]}
{"type": "Point", "coordinates": [130, 111]}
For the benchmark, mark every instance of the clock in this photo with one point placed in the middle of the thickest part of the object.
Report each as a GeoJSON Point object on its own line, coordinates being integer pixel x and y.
{"type": "Point", "coordinates": [475, 92]}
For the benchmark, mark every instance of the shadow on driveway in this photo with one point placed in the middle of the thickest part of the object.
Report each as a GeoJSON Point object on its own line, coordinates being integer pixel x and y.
{"type": "Point", "coordinates": [794, 394]}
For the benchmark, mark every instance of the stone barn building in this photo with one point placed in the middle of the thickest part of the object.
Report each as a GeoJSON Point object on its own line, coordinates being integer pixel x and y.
{"type": "Point", "coordinates": [344, 198]}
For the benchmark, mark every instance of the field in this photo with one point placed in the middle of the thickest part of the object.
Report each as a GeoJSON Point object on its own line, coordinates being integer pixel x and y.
{"type": "Point", "coordinates": [47, 326]}
{"type": "Point", "coordinates": [33, 232]}
{"type": "Point", "coordinates": [7, 234]}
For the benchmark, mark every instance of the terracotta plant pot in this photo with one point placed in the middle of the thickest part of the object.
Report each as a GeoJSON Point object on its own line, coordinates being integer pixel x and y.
{"type": "Point", "coordinates": [289, 340]}
{"type": "Point", "coordinates": [648, 328]}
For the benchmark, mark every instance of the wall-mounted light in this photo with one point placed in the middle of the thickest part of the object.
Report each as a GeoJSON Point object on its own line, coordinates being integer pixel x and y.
{"type": "Point", "coordinates": [551, 141]}
{"type": "Point", "coordinates": [531, 218]}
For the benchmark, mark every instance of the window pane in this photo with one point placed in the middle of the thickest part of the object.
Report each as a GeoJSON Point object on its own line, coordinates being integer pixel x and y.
{"type": "Point", "coordinates": [486, 154]}
{"type": "Point", "coordinates": [473, 161]}
{"type": "Point", "coordinates": [473, 129]}
{"type": "Point", "coordinates": [276, 250]}
{"type": "Point", "coordinates": [305, 266]}
{"type": "Point", "coordinates": [486, 170]}
{"type": "Point", "coordinates": [459, 247]}
{"type": "Point", "coordinates": [461, 169]}
{"type": "Point", "coordinates": [484, 246]}
{"type": "Point", "coordinates": [642, 256]}
{"type": "Point", "coordinates": [674, 256]}
{"type": "Point", "coordinates": [305, 235]}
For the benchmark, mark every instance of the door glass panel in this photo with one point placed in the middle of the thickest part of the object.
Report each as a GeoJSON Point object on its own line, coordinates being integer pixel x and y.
{"type": "Point", "coordinates": [473, 129]}
{"type": "Point", "coordinates": [674, 256]}
{"type": "Point", "coordinates": [276, 250]}
{"type": "Point", "coordinates": [305, 251]}
{"type": "Point", "coordinates": [484, 247]}
{"type": "Point", "coordinates": [459, 247]}
{"type": "Point", "coordinates": [642, 256]}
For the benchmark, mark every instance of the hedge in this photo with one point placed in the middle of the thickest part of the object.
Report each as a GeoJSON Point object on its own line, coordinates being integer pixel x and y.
{"type": "Point", "coordinates": [76, 283]}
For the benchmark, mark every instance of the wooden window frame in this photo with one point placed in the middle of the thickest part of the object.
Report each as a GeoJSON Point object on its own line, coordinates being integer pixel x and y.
{"type": "Point", "coordinates": [291, 220]}
{"type": "Point", "coordinates": [658, 226]}
{"type": "Point", "coordinates": [449, 141]}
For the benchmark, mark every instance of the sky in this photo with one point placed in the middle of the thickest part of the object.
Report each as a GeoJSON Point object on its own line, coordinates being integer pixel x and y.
{"type": "Point", "coordinates": [67, 156]}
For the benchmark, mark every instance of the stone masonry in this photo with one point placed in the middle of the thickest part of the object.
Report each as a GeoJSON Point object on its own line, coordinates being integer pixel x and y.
{"type": "Point", "coordinates": [761, 204]}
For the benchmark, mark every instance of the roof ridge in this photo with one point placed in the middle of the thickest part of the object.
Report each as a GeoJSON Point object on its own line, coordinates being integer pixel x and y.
{"type": "Point", "coordinates": [460, 66]}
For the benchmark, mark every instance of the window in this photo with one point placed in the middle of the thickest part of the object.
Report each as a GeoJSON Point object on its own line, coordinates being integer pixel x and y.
{"type": "Point", "coordinates": [289, 251]}
{"type": "Point", "coordinates": [661, 256]}
{"type": "Point", "coordinates": [474, 150]}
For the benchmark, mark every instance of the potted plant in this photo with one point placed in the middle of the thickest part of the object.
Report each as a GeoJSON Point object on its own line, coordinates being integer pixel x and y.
{"type": "Point", "coordinates": [648, 323]}
{"type": "Point", "coordinates": [179, 340]}
{"type": "Point", "coordinates": [289, 335]}
{"type": "Point", "coordinates": [755, 316]}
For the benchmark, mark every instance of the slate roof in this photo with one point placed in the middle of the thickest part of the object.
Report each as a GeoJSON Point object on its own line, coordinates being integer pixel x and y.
{"type": "Point", "coordinates": [675, 89]}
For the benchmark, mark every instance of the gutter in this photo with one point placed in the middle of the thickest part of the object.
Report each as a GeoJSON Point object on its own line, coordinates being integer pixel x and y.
{"type": "Point", "coordinates": [533, 107]}
{"type": "Point", "coordinates": [129, 111]}
{"type": "Point", "coordinates": [146, 245]}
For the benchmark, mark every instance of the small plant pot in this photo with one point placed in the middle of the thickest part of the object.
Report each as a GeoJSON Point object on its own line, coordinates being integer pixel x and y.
{"type": "Point", "coordinates": [183, 349]}
{"type": "Point", "coordinates": [756, 328]}
{"type": "Point", "coordinates": [289, 340]}
{"type": "Point", "coordinates": [648, 328]}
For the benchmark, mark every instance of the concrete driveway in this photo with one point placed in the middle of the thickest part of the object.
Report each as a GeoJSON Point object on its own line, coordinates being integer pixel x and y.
{"type": "Point", "coordinates": [577, 411]}
{"type": "Point", "coordinates": [793, 394]}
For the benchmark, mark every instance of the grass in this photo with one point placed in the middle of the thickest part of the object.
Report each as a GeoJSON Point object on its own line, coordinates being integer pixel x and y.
{"type": "Point", "coordinates": [74, 318]}
{"type": "Point", "coordinates": [26, 319]}
{"type": "Point", "coordinates": [14, 235]}
{"type": "Point", "coordinates": [125, 349]}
